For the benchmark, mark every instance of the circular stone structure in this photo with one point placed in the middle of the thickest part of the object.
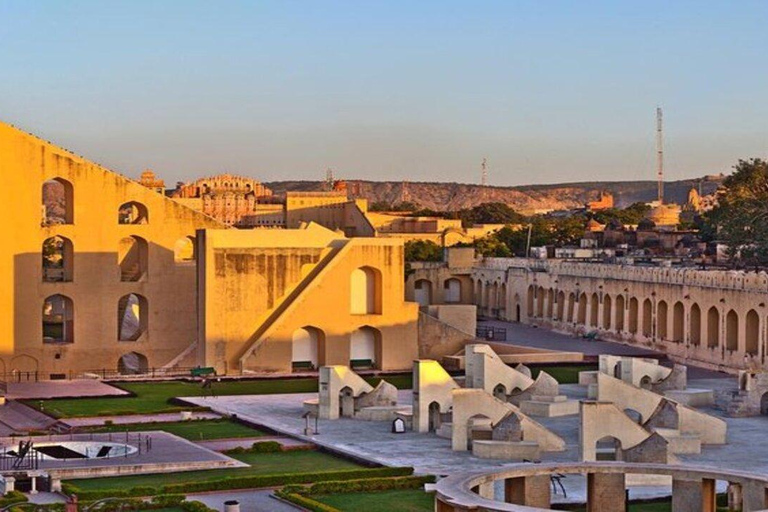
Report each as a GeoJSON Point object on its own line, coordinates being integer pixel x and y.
{"type": "Point", "coordinates": [527, 487]}
{"type": "Point", "coordinates": [60, 450]}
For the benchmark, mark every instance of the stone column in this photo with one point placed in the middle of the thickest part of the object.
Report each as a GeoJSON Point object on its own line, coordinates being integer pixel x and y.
{"type": "Point", "coordinates": [753, 497]}
{"type": "Point", "coordinates": [606, 492]}
{"type": "Point", "coordinates": [687, 495]}
{"type": "Point", "coordinates": [486, 490]}
{"type": "Point", "coordinates": [708, 495]}
{"type": "Point", "coordinates": [532, 491]}
{"type": "Point", "coordinates": [34, 485]}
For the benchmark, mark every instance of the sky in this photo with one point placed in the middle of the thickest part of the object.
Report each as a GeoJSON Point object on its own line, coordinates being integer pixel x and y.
{"type": "Point", "coordinates": [548, 91]}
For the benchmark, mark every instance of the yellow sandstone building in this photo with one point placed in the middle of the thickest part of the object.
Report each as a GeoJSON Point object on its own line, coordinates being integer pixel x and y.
{"type": "Point", "coordinates": [102, 273]}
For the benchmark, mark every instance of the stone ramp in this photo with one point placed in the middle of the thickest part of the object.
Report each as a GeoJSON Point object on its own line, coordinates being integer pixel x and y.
{"type": "Point", "coordinates": [20, 418]}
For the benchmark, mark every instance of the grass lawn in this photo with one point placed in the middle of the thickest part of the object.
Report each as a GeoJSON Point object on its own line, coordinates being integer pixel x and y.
{"type": "Point", "coordinates": [382, 501]}
{"type": "Point", "coordinates": [261, 464]}
{"type": "Point", "coordinates": [153, 397]}
{"type": "Point", "coordinates": [563, 374]}
{"type": "Point", "coordinates": [194, 430]}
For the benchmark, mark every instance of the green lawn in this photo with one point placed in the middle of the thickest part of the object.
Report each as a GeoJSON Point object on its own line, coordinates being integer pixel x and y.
{"type": "Point", "coordinates": [194, 430]}
{"type": "Point", "coordinates": [153, 397]}
{"type": "Point", "coordinates": [563, 374]}
{"type": "Point", "coordinates": [383, 501]}
{"type": "Point", "coordinates": [261, 464]}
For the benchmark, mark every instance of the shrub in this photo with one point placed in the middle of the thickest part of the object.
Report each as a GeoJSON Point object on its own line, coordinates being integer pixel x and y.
{"type": "Point", "coordinates": [257, 447]}
{"type": "Point", "coordinates": [369, 484]}
{"type": "Point", "coordinates": [12, 498]}
{"type": "Point", "coordinates": [168, 500]}
{"type": "Point", "coordinates": [306, 503]}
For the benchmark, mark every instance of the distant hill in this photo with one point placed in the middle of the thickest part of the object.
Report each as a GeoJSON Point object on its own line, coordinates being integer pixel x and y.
{"type": "Point", "coordinates": [455, 196]}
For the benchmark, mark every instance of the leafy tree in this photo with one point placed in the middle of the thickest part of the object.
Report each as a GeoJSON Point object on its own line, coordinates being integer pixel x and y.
{"type": "Point", "coordinates": [490, 213]}
{"type": "Point", "coordinates": [423, 250]}
{"type": "Point", "coordinates": [741, 218]}
{"type": "Point", "coordinates": [380, 206]}
{"type": "Point", "coordinates": [632, 214]}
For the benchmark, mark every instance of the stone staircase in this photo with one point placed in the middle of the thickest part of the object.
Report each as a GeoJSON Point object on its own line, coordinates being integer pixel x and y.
{"type": "Point", "coordinates": [132, 273]}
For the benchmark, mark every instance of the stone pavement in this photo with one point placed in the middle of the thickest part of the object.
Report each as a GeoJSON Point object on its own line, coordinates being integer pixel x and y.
{"type": "Point", "coordinates": [250, 501]}
{"type": "Point", "coordinates": [222, 445]}
{"type": "Point", "coordinates": [61, 389]}
{"type": "Point", "coordinates": [538, 337]}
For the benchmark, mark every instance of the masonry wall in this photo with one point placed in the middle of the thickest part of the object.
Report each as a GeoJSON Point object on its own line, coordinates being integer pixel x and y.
{"type": "Point", "coordinates": [26, 162]}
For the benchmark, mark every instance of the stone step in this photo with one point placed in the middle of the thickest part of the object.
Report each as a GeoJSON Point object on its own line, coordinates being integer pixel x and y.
{"type": "Point", "coordinates": [549, 409]}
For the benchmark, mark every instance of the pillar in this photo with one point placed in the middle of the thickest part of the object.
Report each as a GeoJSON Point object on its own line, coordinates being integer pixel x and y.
{"type": "Point", "coordinates": [34, 485]}
{"type": "Point", "coordinates": [753, 496]}
{"type": "Point", "coordinates": [708, 495]}
{"type": "Point", "coordinates": [606, 492]}
{"type": "Point", "coordinates": [687, 495]}
{"type": "Point", "coordinates": [531, 491]}
{"type": "Point", "coordinates": [485, 490]}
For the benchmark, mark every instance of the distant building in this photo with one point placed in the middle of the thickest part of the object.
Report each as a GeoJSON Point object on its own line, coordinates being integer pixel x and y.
{"type": "Point", "coordinates": [604, 202]}
{"type": "Point", "coordinates": [149, 180]}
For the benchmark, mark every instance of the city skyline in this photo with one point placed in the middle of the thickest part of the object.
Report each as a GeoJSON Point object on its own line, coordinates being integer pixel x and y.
{"type": "Point", "coordinates": [281, 91]}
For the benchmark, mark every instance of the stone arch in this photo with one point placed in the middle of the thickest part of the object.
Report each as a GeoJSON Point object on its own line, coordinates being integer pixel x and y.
{"type": "Point", "coordinates": [550, 303]}
{"type": "Point", "coordinates": [500, 392]}
{"type": "Point", "coordinates": [132, 317]}
{"type": "Point", "coordinates": [58, 202]}
{"type": "Point", "coordinates": [57, 259]}
{"type": "Point", "coordinates": [518, 313]}
{"type": "Point", "coordinates": [185, 249]}
{"type": "Point", "coordinates": [494, 303]}
{"type": "Point", "coordinates": [571, 304]}
{"type": "Point", "coordinates": [422, 292]}
{"type": "Point", "coordinates": [365, 291]}
{"type": "Point", "coordinates": [619, 313]}
{"type": "Point", "coordinates": [474, 423]}
{"type": "Point", "coordinates": [365, 348]}
{"type": "Point", "coordinates": [435, 418]}
{"type": "Point", "coordinates": [560, 306]}
{"type": "Point", "coordinates": [594, 306]}
{"type": "Point", "coordinates": [608, 448]}
{"type": "Point", "coordinates": [502, 299]}
{"type": "Point", "coordinates": [678, 322]}
{"type": "Point", "coordinates": [132, 212]}
{"type": "Point", "coordinates": [540, 302]}
{"type": "Point", "coordinates": [22, 366]}
{"type": "Point", "coordinates": [662, 319]}
{"type": "Point", "coordinates": [732, 331]}
{"type": "Point", "coordinates": [647, 318]}
{"type": "Point", "coordinates": [132, 363]}
{"type": "Point", "coordinates": [633, 314]}
{"type": "Point", "coordinates": [581, 319]}
{"type": "Point", "coordinates": [133, 258]}
{"type": "Point", "coordinates": [452, 290]}
{"type": "Point", "coordinates": [607, 309]}
{"type": "Point", "coordinates": [58, 319]}
{"type": "Point", "coordinates": [694, 325]}
{"type": "Point", "coordinates": [307, 348]}
{"type": "Point", "coordinates": [530, 298]}
{"type": "Point", "coordinates": [713, 327]}
{"type": "Point", "coordinates": [751, 332]}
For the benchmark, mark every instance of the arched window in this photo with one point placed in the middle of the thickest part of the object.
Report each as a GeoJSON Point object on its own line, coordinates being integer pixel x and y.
{"type": "Point", "coordinates": [732, 331]}
{"type": "Point", "coordinates": [713, 327]}
{"type": "Point", "coordinates": [365, 348]}
{"type": "Point", "coordinates": [58, 203]}
{"type": "Point", "coordinates": [647, 318]}
{"type": "Point", "coordinates": [58, 259]}
{"type": "Point", "coordinates": [582, 314]}
{"type": "Point", "coordinates": [185, 249]}
{"type": "Point", "coordinates": [594, 306]}
{"type": "Point", "coordinates": [529, 310]}
{"type": "Point", "coordinates": [751, 332]}
{"type": "Point", "coordinates": [607, 310]}
{"type": "Point", "coordinates": [694, 325]}
{"type": "Point", "coordinates": [132, 212]}
{"type": "Point", "coordinates": [661, 320]}
{"type": "Point", "coordinates": [452, 290]}
{"type": "Point", "coordinates": [633, 313]}
{"type": "Point", "coordinates": [131, 317]}
{"type": "Point", "coordinates": [307, 348]}
{"type": "Point", "coordinates": [423, 292]}
{"type": "Point", "coordinates": [365, 291]}
{"type": "Point", "coordinates": [678, 322]}
{"type": "Point", "coordinates": [133, 363]}
{"type": "Point", "coordinates": [619, 314]}
{"type": "Point", "coordinates": [58, 319]}
{"type": "Point", "coordinates": [132, 257]}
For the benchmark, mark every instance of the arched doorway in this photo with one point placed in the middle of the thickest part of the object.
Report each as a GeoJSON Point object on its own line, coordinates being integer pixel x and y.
{"type": "Point", "coordinates": [346, 402]}
{"type": "Point", "coordinates": [132, 257]}
{"type": "Point", "coordinates": [608, 448]}
{"type": "Point", "coordinates": [58, 259]}
{"type": "Point", "coordinates": [582, 314]}
{"type": "Point", "coordinates": [732, 331]}
{"type": "Point", "coordinates": [694, 325]}
{"type": "Point", "coordinates": [132, 315]}
{"type": "Point", "coordinates": [365, 291]}
{"type": "Point", "coordinates": [633, 312]}
{"type": "Point", "coordinates": [647, 318]}
{"type": "Point", "coordinates": [607, 310]}
{"type": "Point", "coordinates": [422, 292]}
{"type": "Point", "coordinates": [678, 322]}
{"type": "Point", "coordinates": [184, 249]}
{"type": "Point", "coordinates": [594, 305]}
{"type": "Point", "coordinates": [58, 202]}
{"type": "Point", "coordinates": [661, 320]}
{"type": "Point", "coordinates": [364, 348]}
{"type": "Point", "coordinates": [434, 417]}
{"type": "Point", "coordinates": [452, 290]}
{"type": "Point", "coordinates": [751, 334]}
{"type": "Point", "coordinates": [133, 363]}
{"type": "Point", "coordinates": [58, 319]}
{"type": "Point", "coordinates": [713, 327]}
{"type": "Point", "coordinates": [307, 346]}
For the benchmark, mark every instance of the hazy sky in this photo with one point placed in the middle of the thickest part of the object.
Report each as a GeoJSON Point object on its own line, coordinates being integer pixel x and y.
{"type": "Point", "coordinates": [548, 91]}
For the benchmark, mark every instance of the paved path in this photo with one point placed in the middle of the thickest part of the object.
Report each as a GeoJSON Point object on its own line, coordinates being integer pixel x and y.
{"type": "Point", "coordinates": [250, 501]}
{"type": "Point", "coordinates": [61, 389]}
{"type": "Point", "coordinates": [97, 421]}
{"type": "Point", "coordinates": [538, 337]}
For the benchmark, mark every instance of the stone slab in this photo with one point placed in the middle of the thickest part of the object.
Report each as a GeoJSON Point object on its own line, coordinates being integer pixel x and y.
{"type": "Point", "coordinates": [692, 397]}
{"type": "Point", "coordinates": [506, 450]}
{"type": "Point", "coordinates": [549, 409]}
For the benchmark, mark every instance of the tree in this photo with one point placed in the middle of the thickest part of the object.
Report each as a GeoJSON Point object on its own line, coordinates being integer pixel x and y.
{"type": "Point", "coordinates": [741, 218]}
{"type": "Point", "coordinates": [632, 214]}
{"type": "Point", "coordinates": [423, 250]}
{"type": "Point", "coordinates": [490, 213]}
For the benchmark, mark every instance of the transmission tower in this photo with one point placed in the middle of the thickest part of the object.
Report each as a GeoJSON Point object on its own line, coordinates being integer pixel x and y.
{"type": "Point", "coordinates": [484, 175]}
{"type": "Point", "coordinates": [329, 179]}
{"type": "Point", "coordinates": [660, 154]}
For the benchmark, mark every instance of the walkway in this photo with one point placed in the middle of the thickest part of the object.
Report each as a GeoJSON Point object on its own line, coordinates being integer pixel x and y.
{"type": "Point", "coordinates": [250, 501]}
{"type": "Point", "coordinates": [97, 421]}
{"type": "Point", "coordinates": [61, 389]}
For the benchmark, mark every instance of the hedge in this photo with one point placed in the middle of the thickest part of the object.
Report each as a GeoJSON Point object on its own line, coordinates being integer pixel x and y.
{"type": "Point", "coordinates": [244, 482]}
{"type": "Point", "coordinates": [12, 498]}
{"type": "Point", "coordinates": [307, 503]}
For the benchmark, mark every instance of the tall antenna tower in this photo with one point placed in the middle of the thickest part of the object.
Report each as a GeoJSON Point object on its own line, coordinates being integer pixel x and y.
{"type": "Point", "coordinates": [484, 175]}
{"type": "Point", "coordinates": [329, 179]}
{"type": "Point", "coordinates": [660, 154]}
